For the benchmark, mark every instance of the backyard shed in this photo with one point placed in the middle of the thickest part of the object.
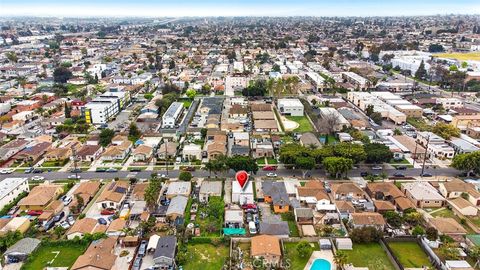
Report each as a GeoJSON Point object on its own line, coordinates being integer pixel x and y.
{"type": "Point", "coordinates": [325, 243]}
{"type": "Point", "coordinates": [21, 250]}
{"type": "Point", "coordinates": [344, 243]}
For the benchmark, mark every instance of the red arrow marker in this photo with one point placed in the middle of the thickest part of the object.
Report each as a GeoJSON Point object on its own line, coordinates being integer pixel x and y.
{"type": "Point", "coordinates": [242, 178]}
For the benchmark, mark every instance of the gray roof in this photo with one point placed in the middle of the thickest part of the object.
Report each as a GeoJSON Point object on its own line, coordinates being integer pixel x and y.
{"type": "Point", "coordinates": [309, 138]}
{"type": "Point", "coordinates": [274, 228]}
{"type": "Point", "coordinates": [177, 205]}
{"type": "Point", "coordinates": [24, 246]}
{"type": "Point", "coordinates": [304, 212]}
{"type": "Point", "coordinates": [240, 150]}
{"type": "Point", "coordinates": [215, 104]}
{"type": "Point", "coordinates": [166, 247]}
{"type": "Point", "coordinates": [211, 187]}
{"type": "Point", "coordinates": [277, 191]}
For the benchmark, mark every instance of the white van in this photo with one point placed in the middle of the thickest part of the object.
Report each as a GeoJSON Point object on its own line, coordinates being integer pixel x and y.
{"type": "Point", "coordinates": [252, 228]}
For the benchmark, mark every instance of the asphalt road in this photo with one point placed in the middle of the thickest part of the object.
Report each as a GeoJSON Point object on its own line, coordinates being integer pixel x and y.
{"type": "Point", "coordinates": [231, 173]}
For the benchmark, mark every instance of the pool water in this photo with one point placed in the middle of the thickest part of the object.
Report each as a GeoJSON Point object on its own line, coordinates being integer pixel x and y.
{"type": "Point", "coordinates": [321, 264]}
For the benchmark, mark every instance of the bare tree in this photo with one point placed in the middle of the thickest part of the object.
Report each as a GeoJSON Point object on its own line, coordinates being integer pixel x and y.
{"type": "Point", "coordinates": [328, 123]}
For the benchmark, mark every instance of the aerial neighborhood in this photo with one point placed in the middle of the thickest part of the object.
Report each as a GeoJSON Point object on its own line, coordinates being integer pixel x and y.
{"type": "Point", "coordinates": [123, 143]}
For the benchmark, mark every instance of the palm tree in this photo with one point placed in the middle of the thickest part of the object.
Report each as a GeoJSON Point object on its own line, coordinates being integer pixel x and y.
{"type": "Point", "coordinates": [340, 258]}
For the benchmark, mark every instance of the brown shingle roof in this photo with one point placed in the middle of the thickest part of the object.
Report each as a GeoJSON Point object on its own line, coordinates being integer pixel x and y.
{"type": "Point", "coordinates": [40, 195]}
{"type": "Point", "coordinates": [366, 218]}
{"type": "Point", "coordinates": [99, 254]}
{"type": "Point", "coordinates": [265, 244]}
{"type": "Point", "coordinates": [447, 225]}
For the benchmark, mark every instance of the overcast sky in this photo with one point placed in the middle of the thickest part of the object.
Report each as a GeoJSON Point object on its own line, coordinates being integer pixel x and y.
{"type": "Point", "coordinates": [176, 8]}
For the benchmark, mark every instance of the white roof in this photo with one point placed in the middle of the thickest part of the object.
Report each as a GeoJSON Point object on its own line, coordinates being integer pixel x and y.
{"type": "Point", "coordinates": [233, 215]}
{"type": "Point", "coordinates": [237, 189]}
{"type": "Point", "coordinates": [457, 264]}
{"type": "Point", "coordinates": [153, 241]}
{"type": "Point", "coordinates": [290, 102]}
{"type": "Point", "coordinates": [7, 185]}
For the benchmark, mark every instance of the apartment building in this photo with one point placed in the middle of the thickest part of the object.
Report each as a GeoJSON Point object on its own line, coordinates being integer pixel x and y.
{"type": "Point", "coordinates": [10, 188]}
{"type": "Point", "coordinates": [171, 116]}
{"type": "Point", "coordinates": [291, 107]}
{"type": "Point", "coordinates": [436, 146]}
{"type": "Point", "coordinates": [104, 107]}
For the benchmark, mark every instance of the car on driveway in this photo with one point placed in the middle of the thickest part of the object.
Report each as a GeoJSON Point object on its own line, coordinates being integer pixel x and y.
{"type": "Point", "coordinates": [59, 217]}
{"type": "Point", "coordinates": [137, 263]}
{"type": "Point", "coordinates": [249, 206]}
{"type": "Point", "coordinates": [102, 221]}
{"type": "Point", "coordinates": [64, 224]}
{"type": "Point", "coordinates": [34, 212]}
{"type": "Point", "coordinates": [270, 174]}
{"type": "Point", "coordinates": [106, 212]}
{"type": "Point", "coordinates": [70, 220]}
{"type": "Point", "coordinates": [142, 249]}
{"type": "Point", "coordinates": [67, 200]}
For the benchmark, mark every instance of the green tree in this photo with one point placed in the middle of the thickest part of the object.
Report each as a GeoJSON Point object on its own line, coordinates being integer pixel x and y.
{"type": "Point", "coordinates": [365, 235]}
{"type": "Point", "coordinates": [152, 192]}
{"type": "Point", "coordinates": [305, 164]}
{"type": "Point", "coordinates": [134, 133]}
{"type": "Point", "coordinates": [216, 207]}
{"type": "Point", "coordinates": [191, 93]}
{"type": "Point", "coordinates": [393, 218]}
{"type": "Point", "coordinates": [377, 153]}
{"type": "Point", "coordinates": [336, 166]}
{"type": "Point", "coordinates": [353, 151]}
{"type": "Point", "coordinates": [421, 72]}
{"type": "Point", "coordinates": [446, 131]}
{"type": "Point", "coordinates": [469, 162]}
{"type": "Point", "coordinates": [62, 74]}
{"type": "Point", "coordinates": [369, 110]}
{"type": "Point", "coordinates": [449, 251]}
{"type": "Point", "coordinates": [376, 117]}
{"type": "Point", "coordinates": [418, 230]}
{"type": "Point", "coordinates": [106, 136]}
{"type": "Point", "coordinates": [432, 233]}
{"type": "Point", "coordinates": [304, 249]}
{"type": "Point", "coordinates": [185, 176]}
{"type": "Point", "coordinates": [238, 163]}
{"type": "Point", "coordinates": [12, 57]}
{"type": "Point", "coordinates": [340, 258]}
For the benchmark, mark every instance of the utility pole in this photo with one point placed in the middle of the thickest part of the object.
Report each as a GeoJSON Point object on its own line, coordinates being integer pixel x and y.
{"type": "Point", "coordinates": [415, 154]}
{"type": "Point", "coordinates": [74, 154]}
{"type": "Point", "coordinates": [425, 156]}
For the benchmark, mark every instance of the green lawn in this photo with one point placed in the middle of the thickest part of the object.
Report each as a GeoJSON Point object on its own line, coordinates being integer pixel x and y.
{"type": "Point", "coordinates": [446, 213]}
{"type": "Point", "coordinates": [305, 125]}
{"type": "Point", "coordinates": [419, 124]}
{"type": "Point", "coordinates": [369, 255]}
{"type": "Point", "coordinates": [205, 257]}
{"type": "Point", "coordinates": [47, 253]}
{"type": "Point", "coordinates": [272, 161]}
{"type": "Point", "coordinates": [291, 253]}
{"type": "Point", "coordinates": [410, 254]}
{"type": "Point", "coordinates": [210, 226]}
{"type": "Point", "coordinates": [292, 225]}
{"type": "Point", "coordinates": [260, 161]}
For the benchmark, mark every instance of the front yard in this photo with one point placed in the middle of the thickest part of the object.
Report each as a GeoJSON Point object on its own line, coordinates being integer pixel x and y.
{"type": "Point", "coordinates": [291, 254]}
{"type": "Point", "coordinates": [369, 255]}
{"type": "Point", "coordinates": [410, 254]}
{"type": "Point", "coordinates": [55, 254]}
{"type": "Point", "coordinates": [206, 256]}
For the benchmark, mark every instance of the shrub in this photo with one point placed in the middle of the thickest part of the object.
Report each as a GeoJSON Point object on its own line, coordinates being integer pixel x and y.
{"type": "Point", "coordinates": [365, 235]}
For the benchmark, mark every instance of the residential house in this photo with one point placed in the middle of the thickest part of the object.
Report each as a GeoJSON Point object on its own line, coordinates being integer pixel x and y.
{"type": "Point", "coordinates": [112, 195]}
{"type": "Point", "coordinates": [85, 190]}
{"type": "Point", "coordinates": [291, 107]}
{"type": "Point", "coordinates": [11, 148]}
{"type": "Point", "coordinates": [266, 247]}
{"type": "Point", "coordinates": [142, 153]}
{"type": "Point", "coordinates": [463, 207]}
{"type": "Point", "coordinates": [347, 191]}
{"type": "Point", "coordinates": [447, 226]}
{"type": "Point", "coordinates": [242, 195]}
{"type": "Point", "coordinates": [367, 219]}
{"type": "Point", "coordinates": [178, 188]}
{"type": "Point", "coordinates": [89, 153]}
{"type": "Point", "coordinates": [192, 152]}
{"type": "Point", "coordinates": [117, 151]}
{"type": "Point", "coordinates": [311, 193]}
{"type": "Point", "coordinates": [11, 188]}
{"type": "Point", "coordinates": [176, 208]}
{"type": "Point", "coordinates": [164, 256]}
{"type": "Point", "coordinates": [85, 226]}
{"type": "Point", "coordinates": [115, 228]}
{"type": "Point", "coordinates": [423, 195]}
{"type": "Point", "coordinates": [263, 149]}
{"type": "Point", "coordinates": [40, 196]}
{"type": "Point", "coordinates": [167, 150]}
{"type": "Point", "coordinates": [237, 111]}
{"type": "Point", "coordinates": [345, 208]}
{"type": "Point", "coordinates": [276, 228]}
{"type": "Point", "coordinates": [210, 188]}
{"type": "Point", "coordinates": [456, 187]}
{"type": "Point", "coordinates": [276, 194]}
{"type": "Point", "coordinates": [33, 154]}
{"type": "Point", "coordinates": [99, 256]}
{"type": "Point", "coordinates": [387, 191]}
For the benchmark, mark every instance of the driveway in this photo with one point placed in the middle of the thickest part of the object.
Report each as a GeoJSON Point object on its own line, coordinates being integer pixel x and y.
{"type": "Point", "coordinates": [266, 213]}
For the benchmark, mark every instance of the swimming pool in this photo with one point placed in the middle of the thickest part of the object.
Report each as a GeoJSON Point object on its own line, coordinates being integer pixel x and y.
{"type": "Point", "coordinates": [321, 264]}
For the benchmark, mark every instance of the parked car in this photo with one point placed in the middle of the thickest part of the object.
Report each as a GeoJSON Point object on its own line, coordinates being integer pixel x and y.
{"type": "Point", "coordinates": [142, 249]}
{"type": "Point", "coordinates": [189, 169]}
{"type": "Point", "coordinates": [59, 217]}
{"type": "Point", "coordinates": [426, 175]}
{"type": "Point", "coordinates": [249, 217]}
{"type": "Point", "coordinates": [100, 170]}
{"type": "Point", "coordinates": [398, 174]}
{"type": "Point", "coordinates": [135, 170]}
{"type": "Point", "coordinates": [38, 178]}
{"type": "Point", "coordinates": [70, 220]}
{"type": "Point", "coordinates": [107, 212]}
{"type": "Point", "coordinates": [111, 170]}
{"type": "Point", "coordinates": [37, 170]}
{"type": "Point", "coordinates": [271, 174]}
{"type": "Point", "coordinates": [6, 171]}
{"type": "Point", "coordinates": [364, 174]}
{"type": "Point", "coordinates": [67, 200]}
{"type": "Point", "coordinates": [102, 221]}
{"type": "Point", "coordinates": [64, 224]}
{"type": "Point", "coordinates": [269, 168]}
{"type": "Point", "coordinates": [49, 224]}
{"type": "Point", "coordinates": [377, 168]}
{"type": "Point", "coordinates": [76, 170]}
{"type": "Point", "coordinates": [73, 176]}
{"type": "Point", "coordinates": [28, 170]}
{"type": "Point", "coordinates": [402, 167]}
{"type": "Point", "coordinates": [249, 206]}
{"type": "Point", "coordinates": [13, 210]}
{"type": "Point", "coordinates": [137, 263]}
{"type": "Point", "coordinates": [34, 212]}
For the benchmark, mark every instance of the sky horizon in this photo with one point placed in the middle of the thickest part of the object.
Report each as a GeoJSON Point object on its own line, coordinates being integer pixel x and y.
{"type": "Point", "coordinates": [230, 8]}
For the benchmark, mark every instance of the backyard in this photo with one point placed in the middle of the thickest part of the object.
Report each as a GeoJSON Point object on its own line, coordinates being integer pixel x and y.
{"type": "Point", "coordinates": [303, 123]}
{"type": "Point", "coordinates": [296, 261]}
{"type": "Point", "coordinates": [369, 255]}
{"type": "Point", "coordinates": [55, 254]}
{"type": "Point", "coordinates": [410, 254]}
{"type": "Point", "coordinates": [206, 219]}
{"type": "Point", "coordinates": [447, 213]}
{"type": "Point", "coordinates": [292, 225]}
{"type": "Point", "coordinates": [205, 256]}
